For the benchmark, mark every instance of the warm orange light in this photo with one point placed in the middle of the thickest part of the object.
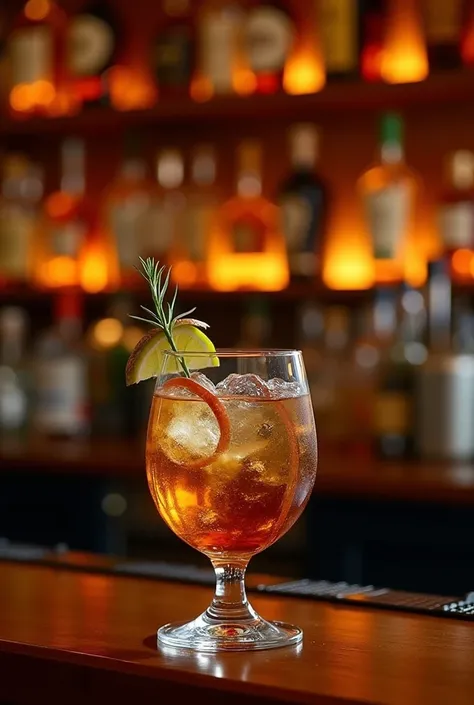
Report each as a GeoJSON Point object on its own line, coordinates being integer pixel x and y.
{"type": "Point", "coordinates": [185, 273]}
{"type": "Point", "coordinates": [415, 267]}
{"type": "Point", "coordinates": [201, 89]}
{"type": "Point", "coordinates": [37, 10]}
{"type": "Point", "coordinates": [463, 262]}
{"type": "Point", "coordinates": [94, 269]}
{"type": "Point", "coordinates": [44, 92]}
{"type": "Point", "coordinates": [21, 98]}
{"type": "Point", "coordinates": [261, 271]}
{"type": "Point", "coordinates": [59, 271]}
{"type": "Point", "coordinates": [404, 58]}
{"type": "Point", "coordinates": [131, 89]}
{"type": "Point", "coordinates": [304, 72]}
{"type": "Point", "coordinates": [244, 82]}
{"type": "Point", "coordinates": [348, 265]}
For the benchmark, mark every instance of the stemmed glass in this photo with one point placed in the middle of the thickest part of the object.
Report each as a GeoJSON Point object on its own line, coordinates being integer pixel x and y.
{"type": "Point", "coordinates": [231, 461]}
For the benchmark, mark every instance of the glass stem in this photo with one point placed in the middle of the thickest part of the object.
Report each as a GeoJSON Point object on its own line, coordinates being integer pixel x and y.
{"type": "Point", "coordinates": [230, 600]}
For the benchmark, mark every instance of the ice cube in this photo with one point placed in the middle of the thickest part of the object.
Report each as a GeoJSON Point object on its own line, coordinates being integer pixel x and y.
{"type": "Point", "coordinates": [280, 389]}
{"type": "Point", "coordinates": [192, 433]}
{"type": "Point", "coordinates": [204, 381]}
{"type": "Point", "coordinates": [248, 385]}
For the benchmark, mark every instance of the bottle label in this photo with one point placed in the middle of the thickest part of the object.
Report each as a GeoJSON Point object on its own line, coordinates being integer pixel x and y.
{"type": "Point", "coordinates": [219, 50]}
{"type": "Point", "coordinates": [442, 20]}
{"type": "Point", "coordinates": [456, 224]}
{"type": "Point", "coordinates": [173, 57]}
{"type": "Point", "coordinates": [387, 212]}
{"type": "Point", "coordinates": [392, 413]}
{"type": "Point", "coordinates": [16, 228]}
{"type": "Point", "coordinates": [128, 222]}
{"type": "Point", "coordinates": [31, 54]}
{"type": "Point", "coordinates": [248, 236]}
{"type": "Point", "coordinates": [61, 389]}
{"type": "Point", "coordinates": [91, 45]}
{"type": "Point", "coordinates": [198, 225]}
{"type": "Point", "coordinates": [67, 239]}
{"type": "Point", "coordinates": [338, 23]}
{"type": "Point", "coordinates": [269, 36]}
{"type": "Point", "coordinates": [302, 221]}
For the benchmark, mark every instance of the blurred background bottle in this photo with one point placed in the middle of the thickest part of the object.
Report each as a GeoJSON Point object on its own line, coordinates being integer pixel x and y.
{"type": "Point", "coordinates": [15, 382]}
{"type": "Point", "coordinates": [61, 405]}
{"type": "Point", "coordinates": [303, 199]}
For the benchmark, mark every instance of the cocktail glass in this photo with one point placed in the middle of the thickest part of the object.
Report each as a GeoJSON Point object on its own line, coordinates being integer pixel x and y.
{"type": "Point", "coordinates": [230, 468]}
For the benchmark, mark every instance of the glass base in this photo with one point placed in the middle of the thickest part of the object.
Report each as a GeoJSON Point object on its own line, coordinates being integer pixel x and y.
{"type": "Point", "coordinates": [208, 634]}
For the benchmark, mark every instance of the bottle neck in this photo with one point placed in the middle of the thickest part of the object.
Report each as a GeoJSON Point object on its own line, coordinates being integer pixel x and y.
{"type": "Point", "coordinates": [391, 153]}
{"type": "Point", "coordinates": [249, 184]}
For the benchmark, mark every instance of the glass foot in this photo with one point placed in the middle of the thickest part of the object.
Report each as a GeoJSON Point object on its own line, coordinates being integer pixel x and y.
{"type": "Point", "coordinates": [207, 634]}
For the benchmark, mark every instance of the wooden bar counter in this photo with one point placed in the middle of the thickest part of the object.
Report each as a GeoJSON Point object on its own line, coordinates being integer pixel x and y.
{"type": "Point", "coordinates": [72, 637]}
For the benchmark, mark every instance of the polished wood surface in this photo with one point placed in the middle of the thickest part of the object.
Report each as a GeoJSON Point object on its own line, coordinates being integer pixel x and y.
{"type": "Point", "coordinates": [68, 637]}
{"type": "Point", "coordinates": [339, 474]}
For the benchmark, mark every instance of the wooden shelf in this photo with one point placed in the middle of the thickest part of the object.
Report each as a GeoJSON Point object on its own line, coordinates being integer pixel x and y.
{"type": "Point", "coordinates": [295, 292]}
{"type": "Point", "coordinates": [339, 475]}
{"type": "Point", "coordinates": [438, 90]}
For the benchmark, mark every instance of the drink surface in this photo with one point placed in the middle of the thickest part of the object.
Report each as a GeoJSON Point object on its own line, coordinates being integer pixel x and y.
{"type": "Point", "coordinates": [244, 499]}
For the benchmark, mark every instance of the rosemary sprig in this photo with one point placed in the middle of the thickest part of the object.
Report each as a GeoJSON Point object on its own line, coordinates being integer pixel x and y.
{"type": "Point", "coordinates": [163, 317]}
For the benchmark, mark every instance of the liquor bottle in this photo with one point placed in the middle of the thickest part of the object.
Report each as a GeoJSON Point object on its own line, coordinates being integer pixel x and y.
{"type": "Point", "coordinates": [330, 400]}
{"type": "Point", "coordinates": [189, 250]}
{"type": "Point", "coordinates": [246, 246]}
{"type": "Point", "coordinates": [173, 51]}
{"type": "Point", "coordinates": [92, 47]}
{"type": "Point", "coordinates": [61, 406]}
{"type": "Point", "coordinates": [361, 381]}
{"type": "Point", "coordinates": [394, 408]}
{"type": "Point", "coordinates": [444, 385]}
{"type": "Point", "coordinates": [22, 189]}
{"type": "Point", "coordinates": [373, 28]}
{"type": "Point", "coordinates": [115, 409]}
{"type": "Point", "coordinates": [456, 208]}
{"type": "Point", "coordinates": [37, 49]}
{"type": "Point", "coordinates": [127, 208]}
{"type": "Point", "coordinates": [220, 26]}
{"type": "Point", "coordinates": [388, 191]}
{"type": "Point", "coordinates": [442, 21]}
{"type": "Point", "coordinates": [64, 222]}
{"type": "Point", "coordinates": [168, 209]}
{"type": "Point", "coordinates": [303, 199]}
{"type": "Point", "coordinates": [269, 35]}
{"type": "Point", "coordinates": [15, 386]}
{"type": "Point", "coordinates": [404, 58]}
{"type": "Point", "coordinates": [339, 28]}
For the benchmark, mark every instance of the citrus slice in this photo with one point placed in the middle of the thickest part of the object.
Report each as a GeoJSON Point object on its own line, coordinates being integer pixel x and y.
{"type": "Point", "coordinates": [217, 408]}
{"type": "Point", "coordinates": [146, 359]}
